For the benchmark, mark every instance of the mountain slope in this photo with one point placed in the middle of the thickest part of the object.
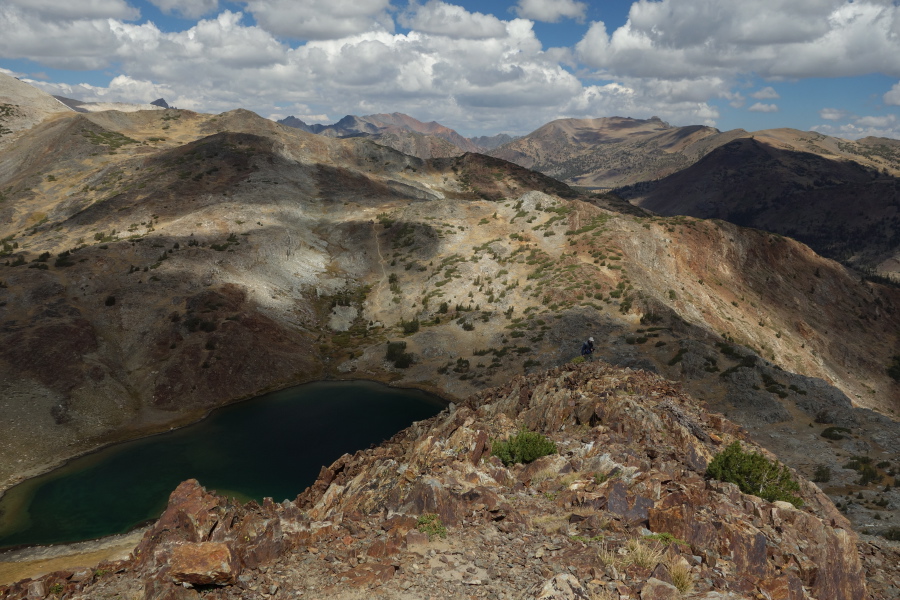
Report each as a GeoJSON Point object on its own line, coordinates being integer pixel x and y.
{"type": "Point", "coordinates": [611, 152]}
{"type": "Point", "coordinates": [754, 183]}
{"type": "Point", "coordinates": [23, 106]}
{"type": "Point", "coordinates": [431, 512]}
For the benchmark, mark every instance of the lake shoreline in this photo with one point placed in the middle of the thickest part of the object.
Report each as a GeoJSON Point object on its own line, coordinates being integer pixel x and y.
{"type": "Point", "coordinates": [33, 561]}
{"type": "Point", "coordinates": [313, 409]}
{"type": "Point", "coordinates": [162, 428]}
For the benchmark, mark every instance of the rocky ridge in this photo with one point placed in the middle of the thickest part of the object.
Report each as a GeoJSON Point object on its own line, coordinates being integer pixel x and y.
{"type": "Point", "coordinates": [622, 511]}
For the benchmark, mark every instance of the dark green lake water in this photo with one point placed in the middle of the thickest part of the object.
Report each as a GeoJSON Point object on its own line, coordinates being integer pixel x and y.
{"type": "Point", "coordinates": [271, 446]}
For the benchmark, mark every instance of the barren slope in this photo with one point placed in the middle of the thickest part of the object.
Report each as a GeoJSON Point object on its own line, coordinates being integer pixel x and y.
{"type": "Point", "coordinates": [611, 152]}
{"type": "Point", "coordinates": [23, 106]}
{"type": "Point", "coordinates": [844, 209]}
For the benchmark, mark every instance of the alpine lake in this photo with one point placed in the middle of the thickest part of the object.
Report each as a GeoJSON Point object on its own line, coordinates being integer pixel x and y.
{"type": "Point", "coordinates": [271, 446]}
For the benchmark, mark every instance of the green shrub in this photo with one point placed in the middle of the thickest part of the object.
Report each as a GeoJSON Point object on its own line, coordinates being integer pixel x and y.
{"type": "Point", "coordinates": [524, 447]}
{"type": "Point", "coordinates": [677, 358]}
{"type": "Point", "coordinates": [754, 474]}
{"type": "Point", "coordinates": [431, 526]}
{"type": "Point", "coordinates": [409, 327]}
{"type": "Point", "coordinates": [395, 354]}
{"type": "Point", "coordinates": [894, 368]}
{"type": "Point", "coordinates": [822, 474]}
{"type": "Point", "coordinates": [834, 433]}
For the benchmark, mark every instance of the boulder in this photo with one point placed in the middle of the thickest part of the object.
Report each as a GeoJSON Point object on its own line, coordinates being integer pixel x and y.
{"type": "Point", "coordinates": [204, 563]}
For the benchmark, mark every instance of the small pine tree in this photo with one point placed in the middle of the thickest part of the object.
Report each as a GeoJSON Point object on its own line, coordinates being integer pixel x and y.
{"type": "Point", "coordinates": [754, 474]}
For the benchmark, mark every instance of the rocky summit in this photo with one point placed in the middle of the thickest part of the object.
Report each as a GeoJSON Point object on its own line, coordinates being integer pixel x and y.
{"type": "Point", "coordinates": [622, 510]}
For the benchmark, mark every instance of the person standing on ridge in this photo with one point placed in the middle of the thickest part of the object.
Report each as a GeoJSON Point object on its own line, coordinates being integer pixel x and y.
{"type": "Point", "coordinates": [587, 348]}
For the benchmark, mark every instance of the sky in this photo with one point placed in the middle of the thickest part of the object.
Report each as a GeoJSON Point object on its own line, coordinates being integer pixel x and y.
{"type": "Point", "coordinates": [480, 67]}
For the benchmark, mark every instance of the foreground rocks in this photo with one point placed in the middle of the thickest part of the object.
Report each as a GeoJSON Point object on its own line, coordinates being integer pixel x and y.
{"type": "Point", "coordinates": [623, 511]}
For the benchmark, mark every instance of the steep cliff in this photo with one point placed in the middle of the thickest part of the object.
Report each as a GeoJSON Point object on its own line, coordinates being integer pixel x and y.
{"type": "Point", "coordinates": [623, 510]}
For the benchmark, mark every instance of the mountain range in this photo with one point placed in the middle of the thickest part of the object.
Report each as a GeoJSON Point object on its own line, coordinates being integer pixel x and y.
{"type": "Point", "coordinates": [790, 182]}
{"type": "Point", "coordinates": [157, 264]}
{"type": "Point", "coordinates": [403, 133]}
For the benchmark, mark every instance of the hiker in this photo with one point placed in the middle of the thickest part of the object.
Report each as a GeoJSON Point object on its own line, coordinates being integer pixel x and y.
{"type": "Point", "coordinates": [587, 348]}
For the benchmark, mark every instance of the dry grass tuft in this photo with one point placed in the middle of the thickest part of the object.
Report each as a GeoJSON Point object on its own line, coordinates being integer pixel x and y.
{"type": "Point", "coordinates": [635, 552]}
{"type": "Point", "coordinates": [552, 524]}
{"type": "Point", "coordinates": [644, 554]}
{"type": "Point", "coordinates": [682, 577]}
{"type": "Point", "coordinates": [543, 475]}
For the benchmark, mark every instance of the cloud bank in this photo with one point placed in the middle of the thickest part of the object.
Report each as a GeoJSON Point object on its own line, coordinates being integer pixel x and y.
{"type": "Point", "coordinates": [438, 60]}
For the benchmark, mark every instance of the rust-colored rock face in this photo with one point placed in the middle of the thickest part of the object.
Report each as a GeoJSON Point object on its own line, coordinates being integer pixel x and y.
{"type": "Point", "coordinates": [206, 563]}
{"type": "Point", "coordinates": [623, 510]}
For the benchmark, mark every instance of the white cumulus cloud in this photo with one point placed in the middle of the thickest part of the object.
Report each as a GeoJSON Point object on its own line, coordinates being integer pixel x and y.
{"type": "Point", "coordinates": [440, 18]}
{"type": "Point", "coordinates": [80, 10]}
{"type": "Point", "coordinates": [551, 11]}
{"type": "Point", "coordinates": [875, 126]}
{"type": "Point", "coordinates": [771, 38]}
{"type": "Point", "coordinates": [766, 93]}
{"type": "Point", "coordinates": [893, 96]}
{"type": "Point", "coordinates": [764, 108]}
{"type": "Point", "coordinates": [833, 114]}
{"type": "Point", "coordinates": [321, 19]}
{"type": "Point", "coordinates": [191, 9]}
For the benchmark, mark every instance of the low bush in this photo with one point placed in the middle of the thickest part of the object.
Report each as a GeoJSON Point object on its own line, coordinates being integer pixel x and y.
{"type": "Point", "coordinates": [524, 447]}
{"type": "Point", "coordinates": [410, 327]}
{"type": "Point", "coordinates": [397, 355]}
{"type": "Point", "coordinates": [754, 474]}
{"type": "Point", "coordinates": [822, 474]}
{"type": "Point", "coordinates": [834, 433]}
{"type": "Point", "coordinates": [431, 526]}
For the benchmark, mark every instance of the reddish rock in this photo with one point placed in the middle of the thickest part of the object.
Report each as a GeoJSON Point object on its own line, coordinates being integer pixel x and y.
{"type": "Point", "coordinates": [656, 589]}
{"type": "Point", "coordinates": [205, 563]}
{"type": "Point", "coordinates": [384, 548]}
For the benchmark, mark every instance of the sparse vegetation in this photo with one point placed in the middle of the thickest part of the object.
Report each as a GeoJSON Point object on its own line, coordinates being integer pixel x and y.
{"type": "Point", "coordinates": [431, 525]}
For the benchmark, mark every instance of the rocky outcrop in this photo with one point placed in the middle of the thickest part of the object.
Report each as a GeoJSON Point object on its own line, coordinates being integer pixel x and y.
{"type": "Point", "coordinates": [622, 511]}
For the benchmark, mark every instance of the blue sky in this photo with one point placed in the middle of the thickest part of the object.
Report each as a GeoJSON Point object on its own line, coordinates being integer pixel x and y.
{"type": "Point", "coordinates": [479, 67]}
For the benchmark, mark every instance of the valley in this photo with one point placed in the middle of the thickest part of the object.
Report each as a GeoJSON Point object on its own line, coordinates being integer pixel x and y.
{"type": "Point", "coordinates": [158, 264]}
